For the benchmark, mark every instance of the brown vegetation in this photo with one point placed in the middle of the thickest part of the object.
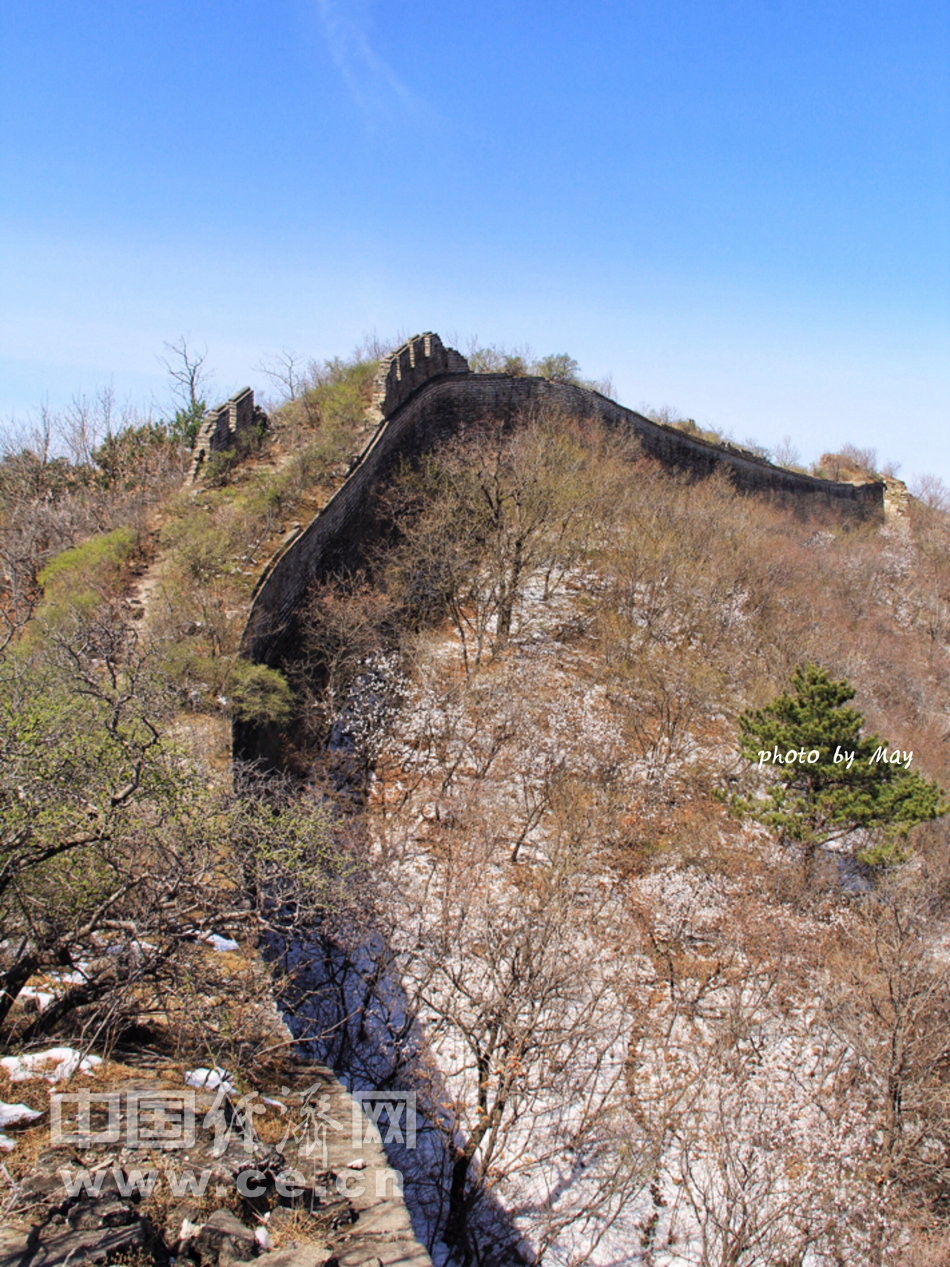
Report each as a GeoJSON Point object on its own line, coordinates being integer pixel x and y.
{"type": "Point", "coordinates": [577, 633]}
{"type": "Point", "coordinates": [529, 705]}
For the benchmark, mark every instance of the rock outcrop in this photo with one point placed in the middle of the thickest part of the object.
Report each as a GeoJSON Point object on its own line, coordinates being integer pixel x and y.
{"type": "Point", "coordinates": [213, 1193]}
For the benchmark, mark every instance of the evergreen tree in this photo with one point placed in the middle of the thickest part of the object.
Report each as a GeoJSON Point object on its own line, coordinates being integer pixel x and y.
{"type": "Point", "coordinates": [825, 778]}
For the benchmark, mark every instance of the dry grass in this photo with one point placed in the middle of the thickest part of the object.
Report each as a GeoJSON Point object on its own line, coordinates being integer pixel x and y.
{"type": "Point", "coordinates": [292, 1227]}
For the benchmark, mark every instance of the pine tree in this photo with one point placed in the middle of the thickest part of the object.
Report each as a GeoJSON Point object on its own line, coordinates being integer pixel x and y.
{"type": "Point", "coordinates": [825, 778]}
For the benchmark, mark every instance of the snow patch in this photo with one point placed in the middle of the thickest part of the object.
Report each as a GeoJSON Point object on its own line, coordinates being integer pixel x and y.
{"type": "Point", "coordinates": [11, 1114]}
{"type": "Point", "coordinates": [217, 942]}
{"type": "Point", "coordinates": [55, 1065]}
{"type": "Point", "coordinates": [208, 1079]}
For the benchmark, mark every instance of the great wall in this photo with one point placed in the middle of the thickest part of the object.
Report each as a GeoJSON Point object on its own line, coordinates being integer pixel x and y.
{"type": "Point", "coordinates": [222, 426]}
{"type": "Point", "coordinates": [425, 393]}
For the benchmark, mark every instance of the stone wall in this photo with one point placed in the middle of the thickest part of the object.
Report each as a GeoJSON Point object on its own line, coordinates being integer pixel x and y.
{"type": "Point", "coordinates": [222, 425]}
{"type": "Point", "coordinates": [418, 360]}
{"type": "Point", "coordinates": [424, 394]}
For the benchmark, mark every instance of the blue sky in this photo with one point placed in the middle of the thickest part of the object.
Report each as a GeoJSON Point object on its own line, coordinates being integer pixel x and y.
{"type": "Point", "coordinates": [740, 208]}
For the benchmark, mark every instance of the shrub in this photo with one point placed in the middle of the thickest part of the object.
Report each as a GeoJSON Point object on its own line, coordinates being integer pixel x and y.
{"type": "Point", "coordinates": [849, 463]}
{"type": "Point", "coordinates": [335, 396]}
{"type": "Point", "coordinates": [215, 683]}
{"type": "Point", "coordinates": [258, 694]}
{"type": "Point", "coordinates": [217, 470]}
{"type": "Point", "coordinates": [559, 368]}
{"type": "Point", "coordinates": [85, 575]}
{"type": "Point", "coordinates": [135, 455]}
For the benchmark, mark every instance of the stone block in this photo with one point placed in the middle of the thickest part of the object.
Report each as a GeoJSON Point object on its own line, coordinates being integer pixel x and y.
{"type": "Point", "coordinates": [222, 1236]}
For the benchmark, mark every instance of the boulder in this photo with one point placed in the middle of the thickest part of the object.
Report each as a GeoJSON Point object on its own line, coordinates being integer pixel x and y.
{"type": "Point", "coordinates": [222, 1238]}
{"type": "Point", "coordinates": [55, 1247]}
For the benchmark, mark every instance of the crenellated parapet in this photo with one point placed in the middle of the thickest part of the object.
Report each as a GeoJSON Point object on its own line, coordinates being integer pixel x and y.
{"type": "Point", "coordinates": [419, 359]}
{"type": "Point", "coordinates": [222, 426]}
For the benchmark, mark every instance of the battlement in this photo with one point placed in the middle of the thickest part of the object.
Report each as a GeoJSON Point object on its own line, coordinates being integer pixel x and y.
{"type": "Point", "coordinates": [223, 424]}
{"type": "Point", "coordinates": [419, 359]}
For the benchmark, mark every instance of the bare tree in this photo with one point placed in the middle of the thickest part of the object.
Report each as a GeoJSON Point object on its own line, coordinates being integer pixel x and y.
{"type": "Point", "coordinates": [785, 453]}
{"type": "Point", "coordinates": [373, 347]}
{"type": "Point", "coordinates": [891, 1002]}
{"type": "Point", "coordinates": [189, 373]}
{"type": "Point", "coordinates": [863, 459]}
{"type": "Point", "coordinates": [932, 491]}
{"type": "Point", "coordinates": [499, 979]}
{"type": "Point", "coordinates": [481, 522]}
{"type": "Point", "coordinates": [485, 983]}
{"type": "Point", "coordinates": [285, 370]}
{"type": "Point", "coordinates": [757, 1108]}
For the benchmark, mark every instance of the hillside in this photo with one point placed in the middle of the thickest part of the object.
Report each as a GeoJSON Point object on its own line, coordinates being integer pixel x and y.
{"type": "Point", "coordinates": [495, 642]}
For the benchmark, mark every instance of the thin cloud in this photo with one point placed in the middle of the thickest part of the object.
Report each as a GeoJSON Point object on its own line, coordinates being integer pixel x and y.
{"type": "Point", "coordinates": [374, 85]}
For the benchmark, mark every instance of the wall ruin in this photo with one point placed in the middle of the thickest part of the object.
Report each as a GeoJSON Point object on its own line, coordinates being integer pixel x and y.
{"type": "Point", "coordinates": [424, 394]}
{"type": "Point", "coordinates": [222, 425]}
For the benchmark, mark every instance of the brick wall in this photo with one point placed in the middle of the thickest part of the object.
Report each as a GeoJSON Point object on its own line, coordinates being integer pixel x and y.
{"type": "Point", "coordinates": [424, 394]}
{"type": "Point", "coordinates": [418, 360]}
{"type": "Point", "coordinates": [221, 426]}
